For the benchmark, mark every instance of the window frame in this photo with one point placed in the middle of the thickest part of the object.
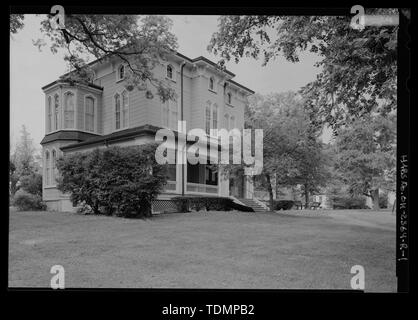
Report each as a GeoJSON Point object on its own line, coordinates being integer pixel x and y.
{"type": "Point", "coordinates": [118, 77]}
{"type": "Point", "coordinates": [87, 96]}
{"type": "Point", "coordinates": [49, 115]}
{"type": "Point", "coordinates": [229, 98]}
{"type": "Point", "coordinates": [120, 94]}
{"type": "Point", "coordinates": [56, 113]}
{"type": "Point", "coordinates": [53, 168]}
{"type": "Point", "coordinates": [168, 107]}
{"type": "Point", "coordinates": [172, 78]}
{"type": "Point", "coordinates": [46, 164]}
{"type": "Point", "coordinates": [212, 107]}
{"type": "Point", "coordinates": [74, 109]}
{"type": "Point", "coordinates": [211, 80]}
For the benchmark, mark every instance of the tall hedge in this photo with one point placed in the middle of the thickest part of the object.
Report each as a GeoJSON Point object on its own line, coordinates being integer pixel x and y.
{"type": "Point", "coordinates": [115, 180]}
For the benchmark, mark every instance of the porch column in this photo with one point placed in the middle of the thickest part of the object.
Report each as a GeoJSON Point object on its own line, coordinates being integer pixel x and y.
{"type": "Point", "coordinates": [223, 183]}
{"type": "Point", "coordinates": [249, 187]}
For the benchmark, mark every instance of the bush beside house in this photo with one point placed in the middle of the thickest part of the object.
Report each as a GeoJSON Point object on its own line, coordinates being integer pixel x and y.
{"type": "Point", "coordinates": [26, 201]}
{"type": "Point", "coordinates": [120, 181]}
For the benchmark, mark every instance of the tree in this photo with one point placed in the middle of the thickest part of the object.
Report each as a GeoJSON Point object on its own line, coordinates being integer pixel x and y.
{"type": "Point", "coordinates": [140, 44]}
{"type": "Point", "coordinates": [292, 154]}
{"type": "Point", "coordinates": [16, 23]}
{"type": "Point", "coordinates": [24, 155]}
{"type": "Point", "coordinates": [358, 68]}
{"type": "Point", "coordinates": [366, 155]}
{"type": "Point", "coordinates": [313, 167]}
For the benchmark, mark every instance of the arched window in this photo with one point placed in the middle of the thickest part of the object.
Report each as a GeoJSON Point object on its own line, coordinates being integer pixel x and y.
{"type": "Point", "coordinates": [215, 117]}
{"type": "Point", "coordinates": [89, 114]}
{"type": "Point", "coordinates": [92, 76]}
{"type": "Point", "coordinates": [169, 72]}
{"type": "Point", "coordinates": [121, 72]}
{"type": "Point", "coordinates": [117, 111]}
{"type": "Point", "coordinates": [207, 118]}
{"type": "Point", "coordinates": [125, 109]}
{"type": "Point", "coordinates": [47, 174]}
{"type": "Point", "coordinates": [69, 110]}
{"type": "Point", "coordinates": [53, 167]}
{"type": "Point", "coordinates": [56, 111]}
{"type": "Point", "coordinates": [211, 84]}
{"type": "Point", "coordinates": [49, 123]}
{"type": "Point", "coordinates": [229, 98]}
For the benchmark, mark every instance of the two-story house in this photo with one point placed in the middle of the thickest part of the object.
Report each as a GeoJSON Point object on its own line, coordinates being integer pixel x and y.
{"type": "Point", "coordinates": [104, 113]}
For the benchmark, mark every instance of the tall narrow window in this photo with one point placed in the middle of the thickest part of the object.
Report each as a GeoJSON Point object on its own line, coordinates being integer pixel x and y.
{"type": "Point", "coordinates": [211, 84]}
{"type": "Point", "coordinates": [49, 125]}
{"type": "Point", "coordinates": [53, 167]}
{"type": "Point", "coordinates": [69, 110]}
{"type": "Point", "coordinates": [207, 118]}
{"type": "Point", "coordinates": [89, 114]}
{"type": "Point", "coordinates": [169, 72]}
{"type": "Point", "coordinates": [229, 98]}
{"type": "Point", "coordinates": [125, 109]}
{"type": "Point", "coordinates": [215, 117]}
{"type": "Point", "coordinates": [47, 179]}
{"type": "Point", "coordinates": [121, 72]}
{"type": "Point", "coordinates": [117, 111]}
{"type": "Point", "coordinates": [56, 111]}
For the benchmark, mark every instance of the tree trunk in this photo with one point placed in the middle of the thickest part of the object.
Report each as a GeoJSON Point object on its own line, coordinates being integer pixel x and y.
{"type": "Point", "coordinates": [375, 199]}
{"type": "Point", "coordinates": [270, 191]}
{"type": "Point", "coordinates": [306, 191]}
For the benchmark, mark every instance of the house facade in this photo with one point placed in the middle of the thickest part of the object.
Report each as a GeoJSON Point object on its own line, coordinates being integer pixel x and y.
{"type": "Point", "coordinates": [80, 117]}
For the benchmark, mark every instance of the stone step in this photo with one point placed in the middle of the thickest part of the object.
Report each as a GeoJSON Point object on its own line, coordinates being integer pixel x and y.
{"type": "Point", "coordinates": [253, 204]}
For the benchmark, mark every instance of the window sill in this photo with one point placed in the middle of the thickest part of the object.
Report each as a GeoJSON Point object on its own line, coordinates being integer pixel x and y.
{"type": "Point", "coordinates": [170, 79]}
{"type": "Point", "coordinates": [50, 186]}
{"type": "Point", "coordinates": [116, 130]}
{"type": "Point", "coordinates": [213, 91]}
{"type": "Point", "coordinates": [229, 105]}
{"type": "Point", "coordinates": [119, 80]}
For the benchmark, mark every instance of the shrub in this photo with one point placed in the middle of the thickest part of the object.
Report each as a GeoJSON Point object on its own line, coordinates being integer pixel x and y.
{"type": "Point", "coordinates": [185, 204]}
{"type": "Point", "coordinates": [121, 181]}
{"type": "Point", "coordinates": [348, 202]}
{"type": "Point", "coordinates": [383, 202]}
{"type": "Point", "coordinates": [25, 201]}
{"type": "Point", "coordinates": [283, 204]}
{"type": "Point", "coordinates": [32, 183]}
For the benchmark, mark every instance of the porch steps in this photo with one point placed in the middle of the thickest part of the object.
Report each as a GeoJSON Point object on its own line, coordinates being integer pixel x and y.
{"type": "Point", "coordinates": [253, 204]}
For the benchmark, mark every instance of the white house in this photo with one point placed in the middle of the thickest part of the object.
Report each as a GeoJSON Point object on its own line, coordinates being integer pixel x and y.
{"type": "Point", "coordinates": [103, 113]}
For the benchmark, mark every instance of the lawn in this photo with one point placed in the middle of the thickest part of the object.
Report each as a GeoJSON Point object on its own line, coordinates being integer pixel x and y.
{"type": "Point", "coordinates": [286, 250]}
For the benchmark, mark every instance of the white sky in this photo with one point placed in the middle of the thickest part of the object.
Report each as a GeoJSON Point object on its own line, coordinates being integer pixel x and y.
{"type": "Point", "coordinates": [30, 69]}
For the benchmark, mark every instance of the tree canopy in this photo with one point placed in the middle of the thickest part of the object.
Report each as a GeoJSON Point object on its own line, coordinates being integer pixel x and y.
{"type": "Point", "coordinates": [366, 157]}
{"type": "Point", "coordinates": [140, 43]}
{"type": "Point", "coordinates": [358, 68]}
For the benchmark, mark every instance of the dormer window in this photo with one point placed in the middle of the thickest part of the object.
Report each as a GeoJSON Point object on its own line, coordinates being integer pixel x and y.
{"type": "Point", "coordinates": [211, 84]}
{"type": "Point", "coordinates": [121, 72]}
{"type": "Point", "coordinates": [229, 98]}
{"type": "Point", "coordinates": [170, 72]}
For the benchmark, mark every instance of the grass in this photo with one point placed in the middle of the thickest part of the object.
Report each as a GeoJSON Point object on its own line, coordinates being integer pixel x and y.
{"type": "Point", "coordinates": [287, 250]}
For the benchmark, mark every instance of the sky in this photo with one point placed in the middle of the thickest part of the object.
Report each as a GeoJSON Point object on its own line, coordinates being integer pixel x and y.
{"type": "Point", "coordinates": [31, 69]}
